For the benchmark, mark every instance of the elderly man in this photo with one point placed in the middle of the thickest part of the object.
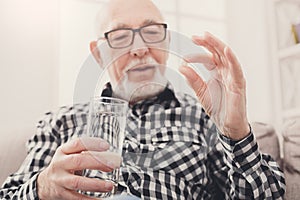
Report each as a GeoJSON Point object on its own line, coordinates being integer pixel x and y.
{"type": "Point", "coordinates": [196, 153]}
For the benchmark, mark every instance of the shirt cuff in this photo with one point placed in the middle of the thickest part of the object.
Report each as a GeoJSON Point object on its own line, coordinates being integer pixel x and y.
{"type": "Point", "coordinates": [242, 156]}
{"type": "Point", "coordinates": [30, 189]}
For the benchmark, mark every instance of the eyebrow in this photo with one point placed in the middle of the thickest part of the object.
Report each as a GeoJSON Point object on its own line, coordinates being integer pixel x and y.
{"type": "Point", "coordinates": [146, 22]}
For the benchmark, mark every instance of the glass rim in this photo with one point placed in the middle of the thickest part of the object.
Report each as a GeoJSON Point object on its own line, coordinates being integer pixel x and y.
{"type": "Point", "coordinates": [115, 100]}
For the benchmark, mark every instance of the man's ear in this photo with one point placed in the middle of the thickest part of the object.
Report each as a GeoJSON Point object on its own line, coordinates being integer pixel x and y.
{"type": "Point", "coordinates": [95, 51]}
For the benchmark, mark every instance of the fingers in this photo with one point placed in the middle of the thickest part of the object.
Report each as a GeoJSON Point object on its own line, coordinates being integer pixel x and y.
{"type": "Point", "coordinates": [222, 55]}
{"type": "Point", "coordinates": [202, 41]}
{"type": "Point", "coordinates": [71, 195]}
{"type": "Point", "coordinates": [205, 59]}
{"type": "Point", "coordinates": [86, 184]}
{"type": "Point", "coordinates": [76, 155]}
{"type": "Point", "coordinates": [59, 184]}
{"type": "Point", "coordinates": [194, 80]}
{"type": "Point", "coordinates": [236, 70]}
{"type": "Point", "coordinates": [75, 195]}
{"type": "Point", "coordinates": [213, 44]}
{"type": "Point", "coordinates": [84, 144]}
{"type": "Point", "coordinates": [104, 161]}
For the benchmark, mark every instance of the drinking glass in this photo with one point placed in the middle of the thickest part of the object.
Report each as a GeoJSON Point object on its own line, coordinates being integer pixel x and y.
{"type": "Point", "coordinates": [106, 120]}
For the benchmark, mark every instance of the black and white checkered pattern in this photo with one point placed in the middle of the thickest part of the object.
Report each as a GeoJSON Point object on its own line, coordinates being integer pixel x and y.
{"type": "Point", "coordinates": [172, 150]}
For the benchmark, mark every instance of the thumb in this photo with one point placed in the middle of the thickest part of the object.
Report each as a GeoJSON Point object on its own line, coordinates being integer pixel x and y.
{"type": "Point", "coordinates": [199, 86]}
{"type": "Point", "coordinates": [194, 80]}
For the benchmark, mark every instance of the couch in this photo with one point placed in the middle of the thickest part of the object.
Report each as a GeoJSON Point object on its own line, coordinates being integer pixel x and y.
{"type": "Point", "coordinates": [13, 152]}
{"type": "Point", "coordinates": [268, 142]}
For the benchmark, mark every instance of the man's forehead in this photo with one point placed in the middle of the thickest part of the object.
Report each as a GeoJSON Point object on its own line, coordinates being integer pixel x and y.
{"type": "Point", "coordinates": [129, 14]}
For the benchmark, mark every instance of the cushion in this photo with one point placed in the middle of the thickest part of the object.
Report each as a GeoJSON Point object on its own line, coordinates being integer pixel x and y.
{"type": "Point", "coordinates": [267, 139]}
{"type": "Point", "coordinates": [291, 142]}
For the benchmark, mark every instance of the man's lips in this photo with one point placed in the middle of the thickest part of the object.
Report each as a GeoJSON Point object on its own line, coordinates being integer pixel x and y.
{"type": "Point", "coordinates": [141, 72]}
{"type": "Point", "coordinates": [141, 68]}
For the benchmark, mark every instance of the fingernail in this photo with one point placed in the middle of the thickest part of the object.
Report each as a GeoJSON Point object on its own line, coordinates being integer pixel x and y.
{"type": "Point", "coordinates": [110, 164]}
{"type": "Point", "coordinates": [104, 145]}
{"type": "Point", "coordinates": [108, 185]}
{"type": "Point", "coordinates": [182, 69]}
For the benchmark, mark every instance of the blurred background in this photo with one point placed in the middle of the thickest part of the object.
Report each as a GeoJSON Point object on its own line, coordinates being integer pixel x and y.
{"type": "Point", "coordinates": [44, 43]}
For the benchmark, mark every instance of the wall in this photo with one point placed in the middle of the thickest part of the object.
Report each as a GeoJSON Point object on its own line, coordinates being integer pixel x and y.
{"type": "Point", "coordinates": [29, 62]}
{"type": "Point", "coordinates": [77, 30]}
{"type": "Point", "coordinates": [247, 35]}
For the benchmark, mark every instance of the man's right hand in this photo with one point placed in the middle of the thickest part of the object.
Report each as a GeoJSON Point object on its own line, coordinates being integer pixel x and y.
{"type": "Point", "coordinates": [59, 181]}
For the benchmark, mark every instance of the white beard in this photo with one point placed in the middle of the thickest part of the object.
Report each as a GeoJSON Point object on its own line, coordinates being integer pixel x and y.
{"type": "Point", "coordinates": [136, 91]}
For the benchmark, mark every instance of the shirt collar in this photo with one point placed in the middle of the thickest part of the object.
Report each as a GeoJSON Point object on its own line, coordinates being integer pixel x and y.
{"type": "Point", "coordinates": [166, 98]}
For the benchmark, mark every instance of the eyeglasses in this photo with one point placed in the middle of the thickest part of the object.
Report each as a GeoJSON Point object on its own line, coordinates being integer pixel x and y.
{"type": "Point", "coordinates": [124, 37]}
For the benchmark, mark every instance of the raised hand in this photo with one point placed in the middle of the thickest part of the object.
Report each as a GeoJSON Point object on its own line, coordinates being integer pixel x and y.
{"type": "Point", "coordinates": [223, 96]}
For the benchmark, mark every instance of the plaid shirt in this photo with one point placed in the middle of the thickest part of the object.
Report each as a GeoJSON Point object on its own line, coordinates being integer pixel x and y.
{"type": "Point", "coordinates": [172, 150]}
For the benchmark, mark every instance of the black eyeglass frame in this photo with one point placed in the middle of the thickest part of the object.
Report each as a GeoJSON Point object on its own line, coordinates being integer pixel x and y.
{"type": "Point", "coordinates": [137, 30]}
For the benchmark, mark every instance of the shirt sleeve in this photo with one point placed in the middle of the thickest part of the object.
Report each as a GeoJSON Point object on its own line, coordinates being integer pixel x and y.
{"type": "Point", "coordinates": [243, 172]}
{"type": "Point", "coordinates": [41, 148]}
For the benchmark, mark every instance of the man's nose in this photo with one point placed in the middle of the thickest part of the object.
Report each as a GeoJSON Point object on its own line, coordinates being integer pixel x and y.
{"type": "Point", "coordinates": [138, 48]}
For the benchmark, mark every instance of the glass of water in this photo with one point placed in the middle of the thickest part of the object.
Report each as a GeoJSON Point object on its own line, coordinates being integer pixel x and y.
{"type": "Point", "coordinates": [106, 120]}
